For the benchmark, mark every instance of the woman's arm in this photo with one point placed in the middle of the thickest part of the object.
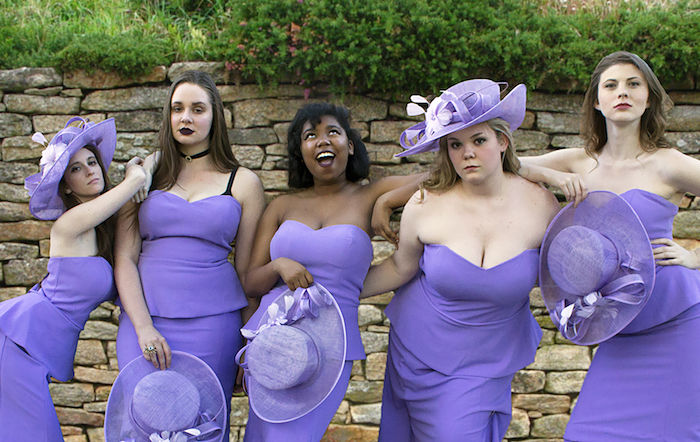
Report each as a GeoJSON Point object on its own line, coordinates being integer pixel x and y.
{"type": "Point", "coordinates": [248, 190]}
{"type": "Point", "coordinates": [556, 169]}
{"type": "Point", "coordinates": [682, 172]}
{"type": "Point", "coordinates": [400, 267]}
{"type": "Point", "coordinates": [88, 215]}
{"type": "Point", "coordinates": [392, 199]}
{"type": "Point", "coordinates": [263, 272]}
{"type": "Point", "coordinates": [127, 247]}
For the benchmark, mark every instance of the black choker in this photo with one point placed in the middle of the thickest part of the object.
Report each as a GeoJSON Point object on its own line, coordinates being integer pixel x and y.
{"type": "Point", "coordinates": [189, 158]}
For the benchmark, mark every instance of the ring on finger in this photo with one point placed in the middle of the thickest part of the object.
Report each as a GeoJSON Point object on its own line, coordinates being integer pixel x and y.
{"type": "Point", "coordinates": [149, 349]}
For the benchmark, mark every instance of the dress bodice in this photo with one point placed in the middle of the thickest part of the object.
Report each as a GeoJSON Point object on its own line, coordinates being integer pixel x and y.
{"type": "Point", "coordinates": [48, 319]}
{"type": "Point", "coordinates": [183, 264]}
{"type": "Point", "coordinates": [481, 314]}
{"type": "Point", "coordinates": [676, 288]}
{"type": "Point", "coordinates": [338, 257]}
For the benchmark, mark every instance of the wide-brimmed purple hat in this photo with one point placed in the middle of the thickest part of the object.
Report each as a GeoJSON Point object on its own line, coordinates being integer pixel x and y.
{"type": "Point", "coordinates": [463, 105]}
{"type": "Point", "coordinates": [597, 268]}
{"type": "Point", "coordinates": [182, 403]}
{"type": "Point", "coordinates": [45, 203]}
{"type": "Point", "coordinates": [295, 356]}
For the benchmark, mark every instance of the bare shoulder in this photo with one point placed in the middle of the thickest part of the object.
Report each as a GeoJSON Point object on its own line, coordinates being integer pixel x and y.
{"type": "Point", "coordinates": [534, 195]}
{"type": "Point", "coordinates": [246, 176]}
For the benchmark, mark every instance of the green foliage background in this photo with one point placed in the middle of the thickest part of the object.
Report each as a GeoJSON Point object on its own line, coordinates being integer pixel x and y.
{"type": "Point", "coordinates": [384, 46]}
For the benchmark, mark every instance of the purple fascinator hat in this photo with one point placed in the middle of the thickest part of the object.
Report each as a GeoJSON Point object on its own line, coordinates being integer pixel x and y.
{"type": "Point", "coordinates": [295, 356]}
{"type": "Point", "coordinates": [181, 404]}
{"type": "Point", "coordinates": [465, 104]}
{"type": "Point", "coordinates": [597, 269]}
{"type": "Point", "coordinates": [44, 202]}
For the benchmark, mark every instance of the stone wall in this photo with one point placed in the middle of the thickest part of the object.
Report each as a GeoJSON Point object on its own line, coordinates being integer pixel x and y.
{"type": "Point", "coordinates": [42, 100]}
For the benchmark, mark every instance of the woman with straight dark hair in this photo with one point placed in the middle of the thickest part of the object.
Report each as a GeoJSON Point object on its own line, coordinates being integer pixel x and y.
{"type": "Point", "coordinates": [176, 287]}
{"type": "Point", "coordinates": [318, 234]}
{"type": "Point", "coordinates": [39, 331]}
{"type": "Point", "coordinates": [643, 384]}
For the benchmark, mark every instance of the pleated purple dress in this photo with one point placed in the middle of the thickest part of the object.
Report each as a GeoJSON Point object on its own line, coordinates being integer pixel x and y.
{"type": "Point", "coordinates": [644, 384]}
{"type": "Point", "coordinates": [191, 289]}
{"type": "Point", "coordinates": [459, 332]}
{"type": "Point", "coordinates": [338, 257]}
{"type": "Point", "coordinates": [38, 338]}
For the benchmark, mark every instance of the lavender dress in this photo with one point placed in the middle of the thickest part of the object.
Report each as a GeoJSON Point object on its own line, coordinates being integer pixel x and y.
{"type": "Point", "coordinates": [338, 257]}
{"type": "Point", "coordinates": [459, 332]}
{"type": "Point", "coordinates": [192, 291]}
{"type": "Point", "coordinates": [644, 384]}
{"type": "Point", "coordinates": [38, 337]}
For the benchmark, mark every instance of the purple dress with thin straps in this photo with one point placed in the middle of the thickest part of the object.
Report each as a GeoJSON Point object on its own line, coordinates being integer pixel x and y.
{"type": "Point", "coordinates": [191, 289]}
{"type": "Point", "coordinates": [38, 338]}
{"type": "Point", "coordinates": [644, 383]}
{"type": "Point", "coordinates": [338, 257]}
{"type": "Point", "coordinates": [459, 332]}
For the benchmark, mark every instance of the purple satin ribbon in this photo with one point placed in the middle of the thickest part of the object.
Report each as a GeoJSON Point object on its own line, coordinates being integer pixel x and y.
{"type": "Point", "coordinates": [204, 426]}
{"type": "Point", "coordinates": [306, 304]}
{"type": "Point", "coordinates": [573, 323]}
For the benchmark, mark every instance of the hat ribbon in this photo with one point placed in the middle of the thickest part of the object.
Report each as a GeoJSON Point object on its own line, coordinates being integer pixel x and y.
{"type": "Point", "coordinates": [205, 429]}
{"type": "Point", "coordinates": [446, 109]}
{"type": "Point", "coordinates": [628, 289]}
{"type": "Point", "coordinates": [303, 303]}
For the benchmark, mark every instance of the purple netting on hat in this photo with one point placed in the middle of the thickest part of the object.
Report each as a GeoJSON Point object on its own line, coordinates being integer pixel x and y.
{"type": "Point", "coordinates": [596, 268]}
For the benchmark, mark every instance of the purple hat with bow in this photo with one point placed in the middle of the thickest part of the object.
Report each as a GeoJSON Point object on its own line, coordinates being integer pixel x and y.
{"type": "Point", "coordinates": [597, 268]}
{"type": "Point", "coordinates": [295, 356]}
{"type": "Point", "coordinates": [44, 202]}
{"type": "Point", "coordinates": [180, 404]}
{"type": "Point", "coordinates": [463, 105]}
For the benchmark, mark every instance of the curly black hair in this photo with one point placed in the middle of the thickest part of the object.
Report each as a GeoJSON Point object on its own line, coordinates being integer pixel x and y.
{"type": "Point", "coordinates": [299, 175]}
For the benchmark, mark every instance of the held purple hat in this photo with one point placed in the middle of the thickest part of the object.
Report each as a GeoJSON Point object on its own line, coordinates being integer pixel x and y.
{"type": "Point", "coordinates": [463, 105]}
{"type": "Point", "coordinates": [597, 269]}
{"type": "Point", "coordinates": [180, 404]}
{"type": "Point", "coordinates": [45, 203]}
{"type": "Point", "coordinates": [295, 356]}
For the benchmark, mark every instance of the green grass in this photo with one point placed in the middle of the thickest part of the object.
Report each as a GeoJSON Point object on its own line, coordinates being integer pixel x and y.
{"type": "Point", "coordinates": [357, 45]}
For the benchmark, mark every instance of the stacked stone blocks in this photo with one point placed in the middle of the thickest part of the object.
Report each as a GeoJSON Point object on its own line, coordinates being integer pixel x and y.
{"type": "Point", "coordinates": [42, 99]}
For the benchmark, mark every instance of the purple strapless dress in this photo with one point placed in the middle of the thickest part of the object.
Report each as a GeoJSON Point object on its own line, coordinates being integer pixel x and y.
{"type": "Point", "coordinates": [38, 338]}
{"type": "Point", "coordinates": [192, 291]}
{"type": "Point", "coordinates": [338, 257]}
{"type": "Point", "coordinates": [644, 384]}
{"type": "Point", "coordinates": [459, 332]}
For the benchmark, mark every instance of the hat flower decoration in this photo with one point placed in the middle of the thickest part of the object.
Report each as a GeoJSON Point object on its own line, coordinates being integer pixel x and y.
{"type": "Point", "coordinates": [296, 355]}
{"type": "Point", "coordinates": [463, 105]}
{"type": "Point", "coordinates": [597, 268]}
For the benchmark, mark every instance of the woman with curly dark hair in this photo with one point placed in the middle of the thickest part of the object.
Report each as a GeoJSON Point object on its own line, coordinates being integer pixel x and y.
{"type": "Point", "coordinates": [318, 234]}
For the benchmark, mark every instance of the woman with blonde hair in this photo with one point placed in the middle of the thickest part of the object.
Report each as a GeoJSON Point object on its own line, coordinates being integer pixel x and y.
{"type": "Point", "coordinates": [467, 259]}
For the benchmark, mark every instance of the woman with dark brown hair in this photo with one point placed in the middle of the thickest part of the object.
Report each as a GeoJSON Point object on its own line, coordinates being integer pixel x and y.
{"type": "Point", "coordinates": [643, 383]}
{"type": "Point", "coordinates": [39, 331]}
{"type": "Point", "coordinates": [176, 286]}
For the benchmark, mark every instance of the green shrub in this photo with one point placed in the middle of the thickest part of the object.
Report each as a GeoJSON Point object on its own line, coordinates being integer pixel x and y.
{"type": "Point", "coordinates": [384, 46]}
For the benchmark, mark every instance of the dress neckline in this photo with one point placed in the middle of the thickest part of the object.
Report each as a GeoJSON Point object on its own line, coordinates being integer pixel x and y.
{"type": "Point", "coordinates": [196, 201]}
{"type": "Point", "coordinates": [502, 263]}
{"type": "Point", "coordinates": [328, 227]}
